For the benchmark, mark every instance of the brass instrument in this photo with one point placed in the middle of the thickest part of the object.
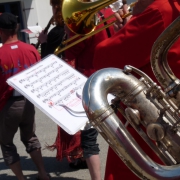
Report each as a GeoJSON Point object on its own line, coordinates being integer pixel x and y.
{"type": "Point", "coordinates": [80, 18]}
{"type": "Point", "coordinates": [45, 31]}
{"type": "Point", "coordinates": [146, 105]}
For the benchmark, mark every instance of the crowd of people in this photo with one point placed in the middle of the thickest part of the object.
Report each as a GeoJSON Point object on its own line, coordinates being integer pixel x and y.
{"type": "Point", "coordinates": [128, 42]}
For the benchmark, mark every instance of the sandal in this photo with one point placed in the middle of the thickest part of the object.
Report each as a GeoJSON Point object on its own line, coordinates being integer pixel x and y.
{"type": "Point", "coordinates": [79, 164]}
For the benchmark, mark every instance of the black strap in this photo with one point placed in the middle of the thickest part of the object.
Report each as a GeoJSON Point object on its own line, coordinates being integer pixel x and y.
{"type": "Point", "coordinates": [105, 23]}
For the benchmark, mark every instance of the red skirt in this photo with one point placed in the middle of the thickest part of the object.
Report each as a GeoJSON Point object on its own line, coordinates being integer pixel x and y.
{"type": "Point", "coordinates": [67, 146]}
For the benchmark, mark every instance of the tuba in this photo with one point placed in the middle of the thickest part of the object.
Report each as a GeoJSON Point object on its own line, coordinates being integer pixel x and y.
{"type": "Point", "coordinates": [146, 105]}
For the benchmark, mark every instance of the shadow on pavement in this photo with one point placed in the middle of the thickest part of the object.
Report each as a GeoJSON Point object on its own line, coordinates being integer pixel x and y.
{"type": "Point", "coordinates": [53, 167]}
{"type": "Point", "coordinates": [33, 177]}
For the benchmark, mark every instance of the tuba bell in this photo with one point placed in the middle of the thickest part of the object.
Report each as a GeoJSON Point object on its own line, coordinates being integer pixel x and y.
{"type": "Point", "coordinates": [147, 105]}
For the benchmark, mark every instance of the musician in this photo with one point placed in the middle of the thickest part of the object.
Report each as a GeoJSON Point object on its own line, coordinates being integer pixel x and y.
{"type": "Point", "coordinates": [88, 148]}
{"type": "Point", "coordinates": [131, 45]}
{"type": "Point", "coordinates": [50, 41]}
{"type": "Point", "coordinates": [16, 111]}
{"type": "Point", "coordinates": [83, 52]}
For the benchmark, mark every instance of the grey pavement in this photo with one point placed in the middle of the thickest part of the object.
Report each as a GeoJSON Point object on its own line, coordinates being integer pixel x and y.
{"type": "Point", "coordinates": [46, 131]}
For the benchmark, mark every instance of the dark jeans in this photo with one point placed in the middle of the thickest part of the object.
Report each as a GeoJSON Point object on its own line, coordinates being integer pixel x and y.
{"type": "Point", "coordinates": [88, 142]}
{"type": "Point", "coordinates": [17, 113]}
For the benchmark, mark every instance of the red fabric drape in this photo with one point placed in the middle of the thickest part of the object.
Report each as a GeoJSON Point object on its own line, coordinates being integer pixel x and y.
{"type": "Point", "coordinates": [68, 146]}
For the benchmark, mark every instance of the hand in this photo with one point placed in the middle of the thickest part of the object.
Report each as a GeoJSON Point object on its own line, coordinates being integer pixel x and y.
{"type": "Point", "coordinates": [120, 21]}
{"type": "Point", "coordinates": [42, 37]}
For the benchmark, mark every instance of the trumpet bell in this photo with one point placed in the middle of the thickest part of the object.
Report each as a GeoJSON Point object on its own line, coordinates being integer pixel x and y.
{"type": "Point", "coordinates": [80, 16]}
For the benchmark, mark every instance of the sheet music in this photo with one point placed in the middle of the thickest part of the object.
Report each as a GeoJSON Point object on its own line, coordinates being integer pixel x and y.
{"type": "Point", "coordinates": [33, 29]}
{"type": "Point", "coordinates": [54, 87]}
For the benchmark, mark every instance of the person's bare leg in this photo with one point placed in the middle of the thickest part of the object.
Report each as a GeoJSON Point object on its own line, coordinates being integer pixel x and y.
{"type": "Point", "coordinates": [17, 170]}
{"type": "Point", "coordinates": [93, 163]}
{"type": "Point", "coordinates": [38, 160]}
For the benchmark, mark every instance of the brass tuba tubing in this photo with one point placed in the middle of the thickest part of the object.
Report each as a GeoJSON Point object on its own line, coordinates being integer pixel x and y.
{"type": "Point", "coordinates": [103, 117]}
{"type": "Point", "coordinates": [59, 49]}
{"type": "Point", "coordinates": [146, 104]}
{"type": "Point", "coordinates": [159, 51]}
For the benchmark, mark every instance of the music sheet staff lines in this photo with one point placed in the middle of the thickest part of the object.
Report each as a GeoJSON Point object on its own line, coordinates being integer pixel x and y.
{"type": "Point", "coordinates": [53, 85]}
{"type": "Point", "coordinates": [55, 88]}
{"type": "Point", "coordinates": [66, 96]}
{"type": "Point", "coordinates": [36, 73]}
{"type": "Point", "coordinates": [49, 82]}
{"type": "Point", "coordinates": [58, 93]}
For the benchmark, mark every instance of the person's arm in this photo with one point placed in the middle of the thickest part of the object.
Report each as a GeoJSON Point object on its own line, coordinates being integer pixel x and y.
{"type": "Point", "coordinates": [132, 44]}
{"type": "Point", "coordinates": [122, 16]}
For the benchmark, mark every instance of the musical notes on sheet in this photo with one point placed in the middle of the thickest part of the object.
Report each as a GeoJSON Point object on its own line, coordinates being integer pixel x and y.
{"type": "Point", "coordinates": [52, 83]}
{"type": "Point", "coordinates": [56, 88]}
